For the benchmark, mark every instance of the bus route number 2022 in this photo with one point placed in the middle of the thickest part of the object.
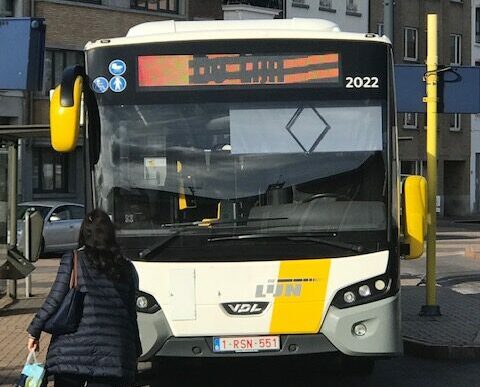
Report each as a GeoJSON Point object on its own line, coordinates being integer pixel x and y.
{"type": "Point", "coordinates": [361, 82]}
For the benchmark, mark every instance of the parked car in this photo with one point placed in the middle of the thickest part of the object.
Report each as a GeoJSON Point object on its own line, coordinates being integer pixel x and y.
{"type": "Point", "coordinates": [61, 227]}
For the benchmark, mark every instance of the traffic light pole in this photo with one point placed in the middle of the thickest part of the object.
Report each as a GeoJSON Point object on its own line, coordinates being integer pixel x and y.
{"type": "Point", "coordinates": [388, 18]}
{"type": "Point", "coordinates": [431, 78]}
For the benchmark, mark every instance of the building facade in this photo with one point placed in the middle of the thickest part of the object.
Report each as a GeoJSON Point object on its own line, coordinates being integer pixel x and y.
{"type": "Point", "coordinates": [475, 118]}
{"type": "Point", "coordinates": [44, 173]}
{"type": "Point", "coordinates": [350, 15]}
{"type": "Point", "coordinates": [454, 135]}
{"type": "Point", "coordinates": [47, 174]}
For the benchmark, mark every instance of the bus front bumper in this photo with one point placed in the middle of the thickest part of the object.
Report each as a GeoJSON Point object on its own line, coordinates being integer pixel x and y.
{"type": "Point", "coordinates": [382, 337]}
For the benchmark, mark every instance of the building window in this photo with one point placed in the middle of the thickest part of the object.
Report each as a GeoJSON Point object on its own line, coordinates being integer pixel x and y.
{"type": "Point", "coordinates": [274, 4]}
{"type": "Point", "coordinates": [380, 29]}
{"type": "Point", "coordinates": [352, 8]}
{"type": "Point", "coordinates": [50, 171]}
{"type": "Point", "coordinates": [6, 8]}
{"type": "Point", "coordinates": [455, 122]}
{"type": "Point", "coordinates": [170, 6]}
{"type": "Point", "coordinates": [477, 25]}
{"type": "Point", "coordinates": [326, 5]}
{"type": "Point", "coordinates": [55, 63]}
{"type": "Point", "coordinates": [410, 44]}
{"type": "Point", "coordinates": [300, 4]}
{"type": "Point", "coordinates": [89, 1]}
{"type": "Point", "coordinates": [410, 120]}
{"type": "Point", "coordinates": [455, 49]}
{"type": "Point", "coordinates": [413, 167]}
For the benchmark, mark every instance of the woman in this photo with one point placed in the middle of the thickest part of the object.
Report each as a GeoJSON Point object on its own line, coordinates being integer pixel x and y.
{"type": "Point", "coordinates": [103, 351]}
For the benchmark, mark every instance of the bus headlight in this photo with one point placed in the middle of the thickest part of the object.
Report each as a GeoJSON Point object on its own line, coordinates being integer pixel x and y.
{"type": "Point", "coordinates": [362, 292]}
{"type": "Point", "coordinates": [359, 329]}
{"type": "Point", "coordinates": [349, 297]}
{"type": "Point", "coordinates": [146, 303]}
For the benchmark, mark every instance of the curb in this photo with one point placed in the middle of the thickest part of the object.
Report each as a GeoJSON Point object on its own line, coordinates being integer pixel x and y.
{"type": "Point", "coordinates": [440, 351]}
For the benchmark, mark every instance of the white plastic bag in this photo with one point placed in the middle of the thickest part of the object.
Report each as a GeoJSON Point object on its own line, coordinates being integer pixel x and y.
{"type": "Point", "coordinates": [32, 373]}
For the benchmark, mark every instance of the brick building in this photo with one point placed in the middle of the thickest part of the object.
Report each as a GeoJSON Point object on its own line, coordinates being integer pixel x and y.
{"type": "Point", "coordinates": [454, 24]}
{"type": "Point", "coordinates": [46, 174]}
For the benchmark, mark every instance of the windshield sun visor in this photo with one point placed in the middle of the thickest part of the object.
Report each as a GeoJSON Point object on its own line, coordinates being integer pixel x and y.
{"type": "Point", "coordinates": [306, 129]}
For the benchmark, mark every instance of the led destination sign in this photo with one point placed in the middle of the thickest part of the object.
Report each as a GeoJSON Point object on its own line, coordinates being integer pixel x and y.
{"type": "Point", "coordinates": [237, 69]}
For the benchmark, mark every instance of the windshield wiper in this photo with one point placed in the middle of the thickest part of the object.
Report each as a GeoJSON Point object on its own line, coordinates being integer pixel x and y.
{"type": "Point", "coordinates": [215, 222]}
{"type": "Point", "coordinates": [296, 238]}
{"type": "Point", "coordinates": [155, 248]}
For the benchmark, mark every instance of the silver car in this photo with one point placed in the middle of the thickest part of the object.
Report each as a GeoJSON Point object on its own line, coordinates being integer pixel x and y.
{"type": "Point", "coordinates": [61, 228]}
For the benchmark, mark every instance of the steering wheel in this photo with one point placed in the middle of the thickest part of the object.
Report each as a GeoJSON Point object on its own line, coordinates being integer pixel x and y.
{"type": "Point", "coordinates": [325, 195]}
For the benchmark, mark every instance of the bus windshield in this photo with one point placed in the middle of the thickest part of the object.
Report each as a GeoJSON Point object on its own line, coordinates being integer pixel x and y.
{"type": "Point", "coordinates": [278, 166]}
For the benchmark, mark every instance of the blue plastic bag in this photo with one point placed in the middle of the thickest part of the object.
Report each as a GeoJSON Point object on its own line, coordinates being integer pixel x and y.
{"type": "Point", "coordinates": [32, 373]}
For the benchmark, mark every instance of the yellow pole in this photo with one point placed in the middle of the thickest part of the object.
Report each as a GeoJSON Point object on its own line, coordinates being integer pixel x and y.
{"type": "Point", "coordinates": [431, 80]}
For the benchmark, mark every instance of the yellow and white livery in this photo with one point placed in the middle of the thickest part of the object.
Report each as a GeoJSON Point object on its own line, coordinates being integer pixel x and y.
{"type": "Point", "coordinates": [251, 168]}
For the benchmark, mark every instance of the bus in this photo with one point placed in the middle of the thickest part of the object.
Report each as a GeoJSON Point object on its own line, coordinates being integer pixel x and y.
{"type": "Point", "coordinates": [251, 170]}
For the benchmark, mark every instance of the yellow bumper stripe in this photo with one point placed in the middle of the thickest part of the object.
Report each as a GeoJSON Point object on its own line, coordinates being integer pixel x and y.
{"type": "Point", "coordinates": [300, 296]}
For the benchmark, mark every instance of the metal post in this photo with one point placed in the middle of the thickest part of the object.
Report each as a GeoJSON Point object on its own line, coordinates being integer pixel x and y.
{"type": "Point", "coordinates": [28, 252]}
{"type": "Point", "coordinates": [12, 201]}
{"type": "Point", "coordinates": [431, 308]}
{"type": "Point", "coordinates": [388, 14]}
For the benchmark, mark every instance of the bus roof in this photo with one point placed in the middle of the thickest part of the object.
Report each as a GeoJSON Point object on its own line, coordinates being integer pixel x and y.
{"type": "Point", "coordinates": [296, 28]}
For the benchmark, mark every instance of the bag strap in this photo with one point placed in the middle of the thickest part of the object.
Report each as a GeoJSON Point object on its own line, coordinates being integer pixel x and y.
{"type": "Point", "coordinates": [74, 275]}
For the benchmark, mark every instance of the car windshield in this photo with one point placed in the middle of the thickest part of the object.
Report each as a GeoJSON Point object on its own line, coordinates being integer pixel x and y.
{"type": "Point", "coordinates": [23, 208]}
{"type": "Point", "coordinates": [270, 166]}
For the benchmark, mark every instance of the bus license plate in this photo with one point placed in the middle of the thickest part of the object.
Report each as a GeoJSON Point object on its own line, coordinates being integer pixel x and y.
{"type": "Point", "coordinates": [246, 344]}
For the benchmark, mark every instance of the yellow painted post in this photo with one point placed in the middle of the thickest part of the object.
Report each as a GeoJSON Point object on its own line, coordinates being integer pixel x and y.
{"type": "Point", "coordinates": [431, 308]}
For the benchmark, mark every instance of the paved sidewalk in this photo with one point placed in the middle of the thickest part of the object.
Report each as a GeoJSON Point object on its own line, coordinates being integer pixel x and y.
{"type": "Point", "coordinates": [456, 333]}
{"type": "Point", "coordinates": [453, 335]}
{"type": "Point", "coordinates": [14, 320]}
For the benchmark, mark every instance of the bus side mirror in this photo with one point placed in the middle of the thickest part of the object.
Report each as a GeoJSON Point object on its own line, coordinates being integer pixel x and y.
{"type": "Point", "coordinates": [414, 214]}
{"type": "Point", "coordinates": [65, 107]}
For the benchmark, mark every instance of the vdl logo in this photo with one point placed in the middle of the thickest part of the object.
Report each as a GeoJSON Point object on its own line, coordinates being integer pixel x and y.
{"type": "Point", "coordinates": [287, 287]}
{"type": "Point", "coordinates": [245, 308]}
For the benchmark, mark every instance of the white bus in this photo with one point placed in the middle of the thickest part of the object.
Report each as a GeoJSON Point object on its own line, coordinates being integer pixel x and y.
{"type": "Point", "coordinates": [251, 169]}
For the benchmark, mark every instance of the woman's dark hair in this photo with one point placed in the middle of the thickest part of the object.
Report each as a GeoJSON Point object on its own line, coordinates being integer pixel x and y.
{"type": "Point", "coordinates": [97, 235]}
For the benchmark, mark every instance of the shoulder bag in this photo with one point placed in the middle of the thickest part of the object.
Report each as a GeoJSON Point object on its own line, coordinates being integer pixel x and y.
{"type": "Point", "coordinates": [69, 313]}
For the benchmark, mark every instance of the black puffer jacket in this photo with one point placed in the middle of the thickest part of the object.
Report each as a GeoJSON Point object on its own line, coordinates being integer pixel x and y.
{"type": "Point", "coordinates": [106, 343]}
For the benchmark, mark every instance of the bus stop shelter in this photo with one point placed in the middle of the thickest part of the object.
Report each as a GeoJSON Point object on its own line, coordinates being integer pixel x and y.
{"type": "Point", "coordinates": [13, 265]}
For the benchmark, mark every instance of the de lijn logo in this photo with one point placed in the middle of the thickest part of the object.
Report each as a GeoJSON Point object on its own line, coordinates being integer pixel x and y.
{"type": "Point", "coordinates": [117, 67]}
{"type": "Point", "coordinates": [291, 287]}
